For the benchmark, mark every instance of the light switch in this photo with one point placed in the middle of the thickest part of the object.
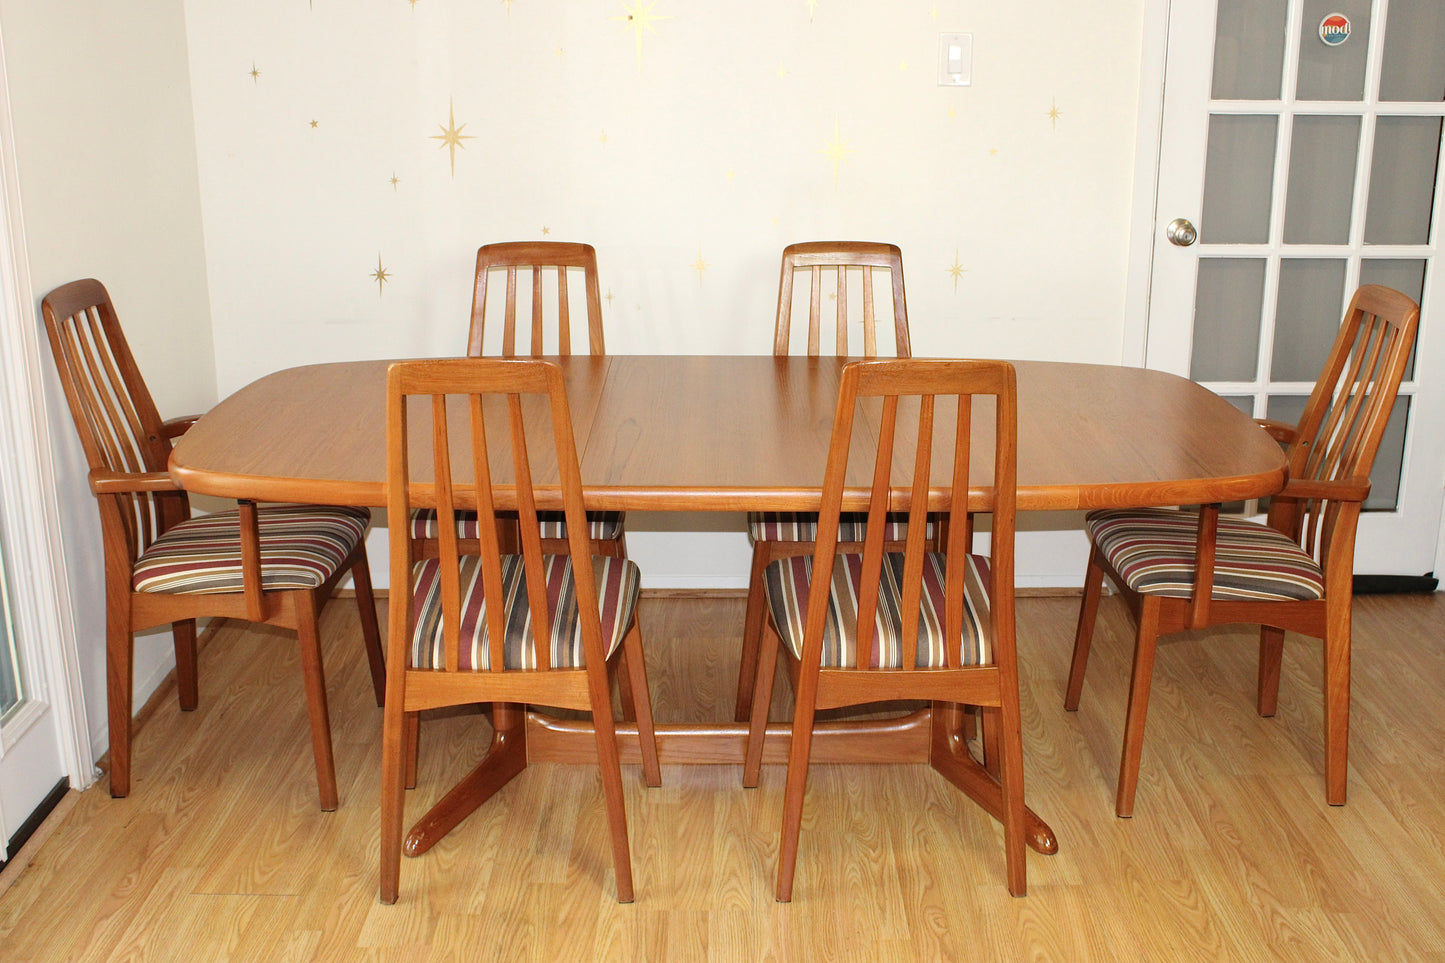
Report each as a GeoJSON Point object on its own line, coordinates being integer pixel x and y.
{"type": "Point", "coordinates": [955, 60]}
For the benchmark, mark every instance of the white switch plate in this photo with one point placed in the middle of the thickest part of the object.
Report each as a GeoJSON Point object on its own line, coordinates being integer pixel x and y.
{"type": "Point", "coordinates": [955, 60]}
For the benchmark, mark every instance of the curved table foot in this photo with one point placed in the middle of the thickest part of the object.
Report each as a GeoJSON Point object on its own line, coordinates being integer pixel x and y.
{"type": "Point", "coordinates": [506, 757]}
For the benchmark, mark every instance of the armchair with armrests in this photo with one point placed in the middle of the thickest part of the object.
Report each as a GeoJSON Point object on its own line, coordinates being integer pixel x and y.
{"type": "Point", "coordinates": [1181, 570]}
{"type": "Point", "coordinates": [274, 565]}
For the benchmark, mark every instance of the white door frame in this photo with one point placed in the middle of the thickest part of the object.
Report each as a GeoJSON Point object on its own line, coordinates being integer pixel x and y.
{"type": "Point", "coordinates": [40, 594]}
{"type": "Point", "coordinates": [1147, 145]}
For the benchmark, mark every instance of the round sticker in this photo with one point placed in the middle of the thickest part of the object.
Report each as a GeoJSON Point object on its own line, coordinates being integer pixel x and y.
{"type": "Point", "coordinates": [1335, 29]}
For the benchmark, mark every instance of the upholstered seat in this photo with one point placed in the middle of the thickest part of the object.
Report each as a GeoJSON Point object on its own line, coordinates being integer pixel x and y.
{"type": "Point", "coordinates": [618, 584]}
{"type": "Point", "coordinates": [1155, 551]}
{"type": "Point", "coordinates": [302, 546]}
{"type": "Point", "coordinates": [803, 527]}
{"type": "Point", "coordinates": [787, 581]}
{"type": "Point", "coordinates": [601, 526]}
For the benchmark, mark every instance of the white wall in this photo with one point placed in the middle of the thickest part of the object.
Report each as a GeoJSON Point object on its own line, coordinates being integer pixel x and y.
{"type": "Point", "coordinates": [107, 161]}
{"type": "Point", "coordinates": [701, 133]}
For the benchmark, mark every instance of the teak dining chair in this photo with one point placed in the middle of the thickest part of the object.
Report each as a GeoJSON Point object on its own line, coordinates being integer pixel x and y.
{"type": "Point", "coordinates": [488, 627]}
{"type": "Point", "coordinates": [532, 263]}
{"type": "Point", "coordinates": [1183, 570]}
{"type": "Point", "coordinates": [776, 535]}
{"type": "Point", "coordinates": [915, 624]}
{"type": "Point", "coordinates": [275, 565]}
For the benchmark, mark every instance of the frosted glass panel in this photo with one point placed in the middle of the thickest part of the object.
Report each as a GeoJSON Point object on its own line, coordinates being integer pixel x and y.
{"type": "Point", "coordinates": [1402, 180]}
{"type": "Point", "coordinates": [1307, 316]}
{"type": "Point", "coordinates": [1333, 73]}
{"type": "Point", "coordinates": [1413, 68]}
{"type": "Point", "coordinates": [1321, 180]}
{"type": "Point", "coordinates": [1227, 306]}
{"type": "Point", "coordinates": [1249, 49]}
{"type": "Point", "coordinates": [1238, 176]}
{"type": "Point", "coordinates": [1385, 474]}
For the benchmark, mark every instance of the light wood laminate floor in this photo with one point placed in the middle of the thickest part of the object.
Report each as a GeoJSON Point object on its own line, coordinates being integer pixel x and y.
{"type": "Point", "coordinates": [220, 853]}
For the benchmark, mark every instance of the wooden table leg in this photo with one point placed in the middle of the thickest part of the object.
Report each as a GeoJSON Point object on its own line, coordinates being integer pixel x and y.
{"type": "Point", "coordinates": [506, 756]}
{"type": "Point", "coordinates": [951, 759]}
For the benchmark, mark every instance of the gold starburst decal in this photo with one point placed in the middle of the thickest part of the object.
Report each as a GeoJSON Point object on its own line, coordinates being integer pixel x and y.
{"type": "Point", "coordinates": [837, 151]}
{"type": "Point", "coordinates": [956, 270]}
{"type": "Point", "coordinates": [812, 6]}
{"type": "Point", "coordinates": [255, 74]}
{"type": "Point", "coordinates": [1054, 114]}
{"type": "Point", "coordinates": [451, 136]}
{"type": "Point", "coordinates": [394, 180]}
{"type": "Point", "coordinates": [699, 265]}
{"type": "Point", "coordinates": [639, 18]}
{"type": "Point", "coordinates": [380, 276]}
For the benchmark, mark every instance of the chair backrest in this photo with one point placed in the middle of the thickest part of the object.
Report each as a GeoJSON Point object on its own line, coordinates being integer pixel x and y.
{"type": "Point", "coordinates": [475, 442]}
{"type": "Point", "coordinates": [113, 411]}
{"type": "Point", "coordinates": [566, 263]}
{"type": "Point", "coordinates": [898, 403]}
{"type": "Point", "coordinates": [1344, 420]}
{"type": "Point", "coordinates": [836, 264]}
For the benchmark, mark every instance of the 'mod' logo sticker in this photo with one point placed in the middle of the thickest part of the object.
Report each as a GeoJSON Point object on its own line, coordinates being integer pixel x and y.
{"type": "Point", "coordinates": [1335, 29]}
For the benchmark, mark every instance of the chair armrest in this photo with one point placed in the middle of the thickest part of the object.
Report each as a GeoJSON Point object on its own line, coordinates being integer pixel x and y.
{"type": "Point", "coordinates": [105, 482]}
{"type": "Point", "coordinates": [1281, 432]}
{"type": "Point", "coordinates": [1340, 490]}
{"type": "Point", "coordinates": [175, 427]}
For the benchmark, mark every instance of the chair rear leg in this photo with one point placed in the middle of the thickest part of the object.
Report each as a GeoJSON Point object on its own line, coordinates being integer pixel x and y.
{"type": "Point", "coordinates": [610, 768]}
{"type": "Point", "coordinates": [395, 746]}
{"type": "Point", "coordinates": [370, 632]}
{"type": "Point", "coordinates": [119, 683]}
{"type": "Point", "coordinates": [309, 642]}
{"type": "Point", "coordinates": [1011, 778]}
{"type": "Point", "coordinates": [761, 699]}
{"type": "Point", "coordinates": [1084, 632]}
{"type": "Point", "coordinates": [752, 635]}
{"type": "Point", "coordinates": [1271, 653]}
{"type": "Point", "coordinates": [1337, 703]}
{"type": "Point", "coordinates": [797, 784]}
{"type": "Point", "coordinates": [183, 634]}
{"type": "Point", "coordinates": [1145, 643]}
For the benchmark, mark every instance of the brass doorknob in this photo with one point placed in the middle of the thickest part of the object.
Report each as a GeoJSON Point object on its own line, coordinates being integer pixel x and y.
{"type": "Point", "coordinates": [1181, 232]}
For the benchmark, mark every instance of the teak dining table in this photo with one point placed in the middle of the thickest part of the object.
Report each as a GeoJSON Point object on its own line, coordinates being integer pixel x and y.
{"type": "Point", "coordinates": [739, 433]}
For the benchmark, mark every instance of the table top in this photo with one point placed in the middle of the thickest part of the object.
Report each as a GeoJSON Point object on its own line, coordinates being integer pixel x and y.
{"type": "Point", "coordinates": [705, 433]}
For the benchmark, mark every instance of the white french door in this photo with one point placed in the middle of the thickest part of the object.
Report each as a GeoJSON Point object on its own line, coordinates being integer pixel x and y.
{"type": "Point", "coordinates": [1299, 157]}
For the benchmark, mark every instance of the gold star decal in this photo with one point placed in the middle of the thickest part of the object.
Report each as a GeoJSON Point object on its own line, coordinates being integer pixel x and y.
{"type": "Point", "coordinates": [602, 138]}
{"type": "Point", "coordinates": [699, 265]}
{"type": "Point", "coordinates": [732, 175]}
{"type": "Point", "coordinates": [508, 5]}
{"type": "Point", "coordinates": [933, 11]}
{"type": "Point", "coordinates": [782, 72]}
{"type": "Point", "coordinates": [451, 136]}
{"type": "Point", "coordinates": [956, 270]}
{"type": "Point", "coordinates": [639, 19]}
{"type": "Point", "coordinates": [315, 124]}
{"type": "Point", "coordinates": [255, 74]}
{"type": "Point", "coordinates": [837, 151]}
{"type": "Point", "coordinates": [394, 180]}
{"type": "Point", "coordinates": [380, 276]}
{"type": "Point", "coordinates": [1054, 114]}
{"type": "Point", "coordinates": [903, 65]}
{"type": "Point", "coordinates": [993, 152]}
{"type": "Point", "coordinates": [546, 230]}
{"type": "Point", "coordinates": [609, 297]}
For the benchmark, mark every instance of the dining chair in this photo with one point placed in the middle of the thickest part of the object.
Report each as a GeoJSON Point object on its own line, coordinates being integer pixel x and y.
{"type": "Point", "coordinates": [1188, 569]}
{"type": "Point", "coordinates": [840, 267]}
{"type": "Point", "coordinates": [273, 565]}
{"type": "Point", "coordinates": [492, 627]}
{"type": "Point", "coordinates": [910, 624]}
{"type": "Point", "coordinates": [550, 271]}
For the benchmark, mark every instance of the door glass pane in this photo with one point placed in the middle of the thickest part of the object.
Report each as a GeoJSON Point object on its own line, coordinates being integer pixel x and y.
{"type": "Point", "coordinates": [1249, 49]}
{"type": "Point", "coordinates": [1385, 473]}
{"type": "Point", "coordinates": [1307, 316]}
{"type": "Point", "coordinates": [1402, 180]}
{"type": "Point", "coordinates": [1333, 72]}
{"type": "Point", "coordinates": [1413, 68]}
{"type": "Point", "coordinates": [1238, 176]}
{"type": "Point", "coordinates": [1227, 306]}
{"type": "Point", "coordinates": [1321, 187]}
{"type": "Point", "coordinates": [1406, 275]}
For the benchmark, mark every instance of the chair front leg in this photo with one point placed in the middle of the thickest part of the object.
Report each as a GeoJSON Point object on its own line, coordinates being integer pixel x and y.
{"type": "Point", "coordinates": [395, 746]}
{"type": "Point", "coordinates": [761, 699]}
{"type": "Point", "coordinates": [1145, 643]}
{"type": "Point", "coordinates": [1271, 653]}
{"type": "Point", "coordinates": [640, 701]}
{"type": "Point", "coordinates": [119, 682]}
{"type": "Point", "coordinates": [752, 634]}
{"type": "Point", "coordinates": [1337, 701]}
{"type": "Point", "coordinates": [183, 635]}
{"type": "Point", "coordinates": [309, 641]}
{"type": "Point", "coordinates": [370, 632]}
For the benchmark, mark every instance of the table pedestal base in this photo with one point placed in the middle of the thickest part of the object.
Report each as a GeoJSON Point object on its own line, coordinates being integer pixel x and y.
{"type": "Point", "coordinates": [521, 737]}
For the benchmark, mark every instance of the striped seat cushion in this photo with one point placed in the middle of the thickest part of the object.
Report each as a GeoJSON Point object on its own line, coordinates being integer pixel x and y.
{"type": "Point", "coordinates": [301, 547]}
{"type": "Point", "coordinates": [786, 582]}
{"type": "Point", "coordinates": [1153, 550]}
{"type": "Point", "coordinates": [618, 583]}
{"type": "Point", "coordinates": [602, 526]}
{"type": "Point", "coordinates": [803, 526]}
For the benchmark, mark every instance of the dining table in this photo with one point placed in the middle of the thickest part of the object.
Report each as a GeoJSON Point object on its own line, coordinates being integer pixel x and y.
{"type": "Point", "coordinates": [740, 433]}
